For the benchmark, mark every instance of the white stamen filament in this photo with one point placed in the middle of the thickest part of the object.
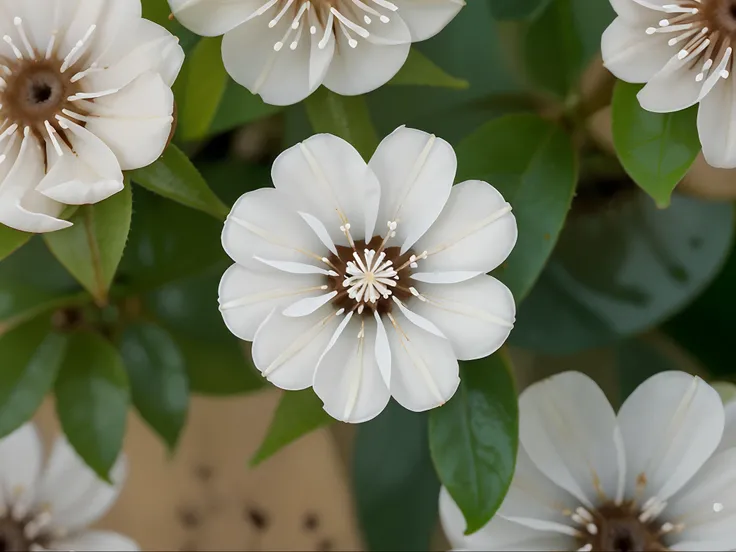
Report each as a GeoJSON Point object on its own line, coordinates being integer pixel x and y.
{"type": "Point", "coordinates": [18, 22]}
{"type": "Point", "coordinates": [18, 54]}
{"type": "Point", "coordinates": [73, 56]}
{"type": "Point", "coordinates": [52, 136]}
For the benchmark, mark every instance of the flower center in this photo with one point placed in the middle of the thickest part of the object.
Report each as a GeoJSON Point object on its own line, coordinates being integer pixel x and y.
{"type": "Point", "coordinates": [623, 528]}
{"type": "Point", "coordinates": [12, 536]}
{"type": "Point", "coordinates": [40, 92]}
{"type": "Point", "coordinates": [371, 275]}
{"type": "Point", "coordinates": [351, 18]}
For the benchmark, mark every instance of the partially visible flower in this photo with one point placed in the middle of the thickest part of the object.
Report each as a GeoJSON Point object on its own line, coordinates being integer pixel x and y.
{"type": "Point", "coordinates": [683, 50]}
{"type": "Point", "coordinates": [659, 476]}
{"type": "Point", "coordinates": [50, 508]}
{"type": "Point", "coordinates": [368, 281]}
{"type": "Point", "coordinates": [85, 93]}
{"type": "Point", "coordinates": [284, 49]}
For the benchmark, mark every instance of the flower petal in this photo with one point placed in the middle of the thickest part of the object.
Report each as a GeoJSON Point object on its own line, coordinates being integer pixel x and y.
{"type": "Point", "coordinates": [416, 171]}
{"type": "Point", "coordinates": [673, 88]}
{"type": "Point", "coordinates": [637, 13]}
{"type": "Point", "coordinates": [706, 506]}
{"type": "Point", "coordinates": [476, 315]}
{"type": "Point", "coordinates": [263, 224]}
{"type": "Point", "coordinates": [286, 349]}
{"type": "Point", "coordinates": [348, 379]}
{"type": "Point", "coordinates": [499, 534]}
{"type": "Point", "coordinates": [475, 232]}
{"type": "Point", "coordinates": [569, 429]}
{"type": "Point", "coordinates": [213, 17]}
{"type": "Point", "coordinates": [88, 174]}
{"type": "Point", "coordinates": [143, 47]}
{"type": "Point", "coordinates": [136, 122]}
{"type": "Point", "coordinates": [326, 177]}
{"type": "Point", "coordinates": [261, 58]}
{"type": "Point", "coordinates": [535, 502]}
{"type": "Point", "coordinates": [18, 188]}
{"type": "Point", "coordinates": [426, 19]}
{"type": "Point", "coordinates": [424, 369]}
{"type": "Point", "coordinates": [371, 62]}
{"type": "Point", "coordinates": [632, 55]}
{"type": "Point", "coordinates": [717, 125]}
{"type": "Point", "coordinates": [95, 541]}
{"type": "Point", "coordinates": [75, 495]}
{"type": "Point", "coordinates": [729, 430]}
{"type": "Point", "coordinates": [247, 296]}
{"type": "Point", "coordinates": [21, 458]}
{"type": "Point", "coordinates": [671, 424]}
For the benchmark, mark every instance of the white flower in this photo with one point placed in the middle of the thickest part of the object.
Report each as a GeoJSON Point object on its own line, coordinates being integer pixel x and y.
{"type": "Point", "coordinates": [368, 281]}
{"type": "Point", "coordinates": [50, 508]}
{"type": "Point", "coordinates": [284, 49]}
{"type": "Point", "coordinates": [683, 50]}
{"type": "Point", "coordinates": [85, 93]}
{"type": "Point", "coordinates": [659, 476]}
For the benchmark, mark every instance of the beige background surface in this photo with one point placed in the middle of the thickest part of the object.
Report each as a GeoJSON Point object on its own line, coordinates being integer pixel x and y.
{"type": "Point", "coordinates": [207, 498]}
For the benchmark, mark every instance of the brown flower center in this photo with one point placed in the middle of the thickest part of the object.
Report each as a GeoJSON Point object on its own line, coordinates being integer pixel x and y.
{"type": "Point", "coordinates": [12, 536]}
{"type": "Point", "coordinates": [371, 277]}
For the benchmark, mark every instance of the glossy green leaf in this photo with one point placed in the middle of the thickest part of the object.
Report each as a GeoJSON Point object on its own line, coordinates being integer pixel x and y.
{"type": "Point", "coordinates": [30, 357]}
{"type": "Point", "coordinates": [11, 239]}
{"type": "Point", "coordinates": [32, 282]}
{"type": "Point", "coordinates": [394, 482]}
{"type": "Point", "coordinates": [168, 242]}
{"type": "Point", "coordinates": [175, 177]}
{"type": "Point", "coordinates": [239, 107]}
{"type": "Point", "coordinates": [516, 9]}
{"type": "Point", "coordinates": [298, 413]}
{"type": "Point", "coordinates": [656, 149]}
{"type": "Point", "coordinates": [622, 266]}
{"type": "Point", "coordinates": [158, 379]}
{"type": "Point", "coordinates": [474, 437]}
{"type": "Point", "coordinates": [562, 40]}
{"type": "Point", "coordinates": [705, 327]}
{"type": "Point", "coordinates": [91, 249]}
{"type": "Point", "coordinates": [533, 164]}
{"type": "Point", "coordinates": [343, 116]}
{"type": "Point", "coordinates": [202, 86]}
{"type": "Point", "coordinates": [231, 178]}
{"type": "Point", "coordinates": [421, 71]}
{"type": "Point", "coordinates": [215, 359]}
{"type": "Point", "coordinates": [636, 361]}
{"type": "Point", "coordinates": [92, 396]}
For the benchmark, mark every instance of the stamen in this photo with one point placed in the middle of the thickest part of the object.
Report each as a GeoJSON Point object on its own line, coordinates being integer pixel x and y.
{"type": "Point", "coordinates": [275, 20]}
{"type": "Point", "coordinates": [72, 57]}
{"type": "Point", "coordinates": [52, 136]}
{"type": "Point", "coordinates": [16, 51]}
{"type": "Point", "coordinates": [328, 32]}
{"type": "Point", "coordinates": [349, 24]}
{"type": "Point", "coordinates": [52, 43]}
{"type": "Point", "coordinates": [18, 22]}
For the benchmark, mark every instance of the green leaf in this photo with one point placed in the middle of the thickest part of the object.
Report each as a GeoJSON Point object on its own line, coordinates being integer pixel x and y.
{"type": "Point", "coordinates": [215, 360]}
{"type": "Point", "coordinates": [515, 9]}
{"type": "Point", "coordinates": [239, 107]}
{"type": "Point", "coordinates": [621, 267]}
{"type": "Point", "coordinates": [422, 71]}
{"type": "Point", "coordinates": [158, 379]}
{"type": "Point", "coordinates": [159, 12]}
{"type": "Point", "coordinates": [202, 86]}
{"type": "Point", "coordinates": [32, 283]}
{"type": "Point", "coordinates": [637, 360]}
{"type": "Point", "coordinates": [343, 116]}
{"type": "Point", "coordinates": [394, 482]}
{"type": "Point", "coordinates": [526, 158]}
{"type": "Point", "coordinates": [167, 242]}
{"type": "Point", "coordinates": [91, 249]}
{"type": "Point", "coordinates": [473, 438]}
{"type": "Point", "coordinates": [31, 357]}
{"type": "Point", "coordinates": [726, 390]}
{"type": "Point", "coordinates": [175, 177]}
{"type": "Point", "coordinates": [562, 40]}
{"type": "Point", "coordinates": [92, 397]}
{"type": "Point", "coordinates": [656, 149]}
{"type": "Point", "coordinates": [298, 413]}
{"type": "Point", "coordinates": [11, 239]}
{"type": "Point", "coordinates": [705, 327]}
